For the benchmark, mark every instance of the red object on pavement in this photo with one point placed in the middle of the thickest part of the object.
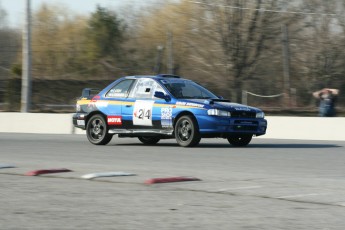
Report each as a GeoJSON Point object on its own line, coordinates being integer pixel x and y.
{"type": "Point", "coordinates": [46, 171]}
{"type": "Point", "coordinates": [170, 180]}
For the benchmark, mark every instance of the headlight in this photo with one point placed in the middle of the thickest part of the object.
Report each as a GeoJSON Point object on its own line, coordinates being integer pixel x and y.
{"type": "Point", "coordinates": [260, 115]}
{"type": "Point", "coordinates": [217, 112]}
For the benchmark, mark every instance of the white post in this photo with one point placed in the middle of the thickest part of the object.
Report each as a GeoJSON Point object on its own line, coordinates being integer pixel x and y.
{"type": "Point", "coordinates": [26, 68]}
{"type": "Point", "coordinates": [244, 97]}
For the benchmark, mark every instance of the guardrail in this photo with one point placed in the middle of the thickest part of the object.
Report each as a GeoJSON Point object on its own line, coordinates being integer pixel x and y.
{"type": "Point", "coordinates": [304, 128]}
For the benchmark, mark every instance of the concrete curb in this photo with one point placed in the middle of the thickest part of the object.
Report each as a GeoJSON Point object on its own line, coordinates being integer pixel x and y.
{"type": "Point", "coordinates": [36, 123]}
{"type": "Point", "coordinates": [305, 128]}
{"type": "Point", "coordinates": [46, 171]}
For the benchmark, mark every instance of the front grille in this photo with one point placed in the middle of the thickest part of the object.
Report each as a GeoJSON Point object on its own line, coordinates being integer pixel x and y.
{"type": "Point", "coordinates": [243, 114]}
{"type": "Point", "coordinates": [245, 128]}
{"type": "Point", "coordinates": [246, 122]}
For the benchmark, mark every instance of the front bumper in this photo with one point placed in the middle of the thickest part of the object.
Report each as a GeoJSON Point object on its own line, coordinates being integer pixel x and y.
{"type": "Point", "coordinates": [228, 125]}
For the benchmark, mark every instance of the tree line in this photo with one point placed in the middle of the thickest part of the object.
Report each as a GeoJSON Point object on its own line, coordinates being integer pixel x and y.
{"type": "Point", "coordinates": [272, 47]}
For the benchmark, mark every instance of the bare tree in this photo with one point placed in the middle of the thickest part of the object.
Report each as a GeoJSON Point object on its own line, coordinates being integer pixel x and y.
{"type": "Point", "coordinates": [241, 29]}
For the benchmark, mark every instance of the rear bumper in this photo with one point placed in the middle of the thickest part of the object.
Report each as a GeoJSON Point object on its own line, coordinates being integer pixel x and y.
{"type": "Point", "coordinates": [79, 120]}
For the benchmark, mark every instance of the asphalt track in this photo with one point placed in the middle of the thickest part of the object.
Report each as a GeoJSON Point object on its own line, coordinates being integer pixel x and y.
{"type": "Point", "coordinates": [271, 184]}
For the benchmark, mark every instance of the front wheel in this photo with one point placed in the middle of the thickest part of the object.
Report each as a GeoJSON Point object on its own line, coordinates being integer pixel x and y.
{"type": "Point", "coordinates": [149, 140]}
{"type": "Point", "coordinates": [97, 130]}
{"type": "Point", "coordinates": [187, 132]}
{"type": "Point", "coordinates": [240, 140]}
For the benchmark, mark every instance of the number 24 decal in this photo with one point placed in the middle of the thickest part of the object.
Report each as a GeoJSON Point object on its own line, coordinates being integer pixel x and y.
{"type": "Point", "coordinates": [144, 114]}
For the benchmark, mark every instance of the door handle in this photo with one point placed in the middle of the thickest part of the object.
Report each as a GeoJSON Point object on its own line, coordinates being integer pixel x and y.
{"type": "Point", "coordinates": [128, 105]}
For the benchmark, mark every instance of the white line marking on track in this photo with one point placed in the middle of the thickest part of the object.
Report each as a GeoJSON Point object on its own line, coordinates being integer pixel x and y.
{"type": "Point", "coordinates": [106, 174]}
{"type": "Point", "coordinates": [341, 204]}
{"type": "Point", "coordinates": [301, 195]}
{"type": "Point", "coordinates": [3, 166]}
{"type": "Point", "coordinates": [238, 188]}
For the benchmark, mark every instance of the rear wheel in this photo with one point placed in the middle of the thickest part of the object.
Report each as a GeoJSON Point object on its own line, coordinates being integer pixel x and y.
{"type": "Point", "coordinates": [240, 140]}
{"type": "Point", "coordinates": [187, 131]}
{"type": "Point", "coordinates": [149, 140]}
{"type": "Point", "coordinates": [97, 130]}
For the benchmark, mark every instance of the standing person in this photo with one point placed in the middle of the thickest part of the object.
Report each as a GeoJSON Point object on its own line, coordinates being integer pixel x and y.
{"type": "Point", "coordinates": [327, 98]}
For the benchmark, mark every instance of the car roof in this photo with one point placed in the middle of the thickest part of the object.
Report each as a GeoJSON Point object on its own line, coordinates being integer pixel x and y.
{"type": "Point", "coordinates": [159, 76]}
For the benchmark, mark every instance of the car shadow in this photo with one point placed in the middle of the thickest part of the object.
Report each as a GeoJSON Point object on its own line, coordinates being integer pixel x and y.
{"type": "Point", "coordinates": [256, 145]}
{"type": "Point", "coordinates": [295, 146]}
{"type": "Point", "coordinates": [272, 146]}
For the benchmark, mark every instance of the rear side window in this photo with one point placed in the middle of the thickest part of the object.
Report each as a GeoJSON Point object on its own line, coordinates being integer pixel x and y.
{"type": "Point", "coordinates": [121, 89]}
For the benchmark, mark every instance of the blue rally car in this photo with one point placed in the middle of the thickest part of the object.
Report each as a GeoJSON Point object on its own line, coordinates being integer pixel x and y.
{"type": "Point", "coordinates": [162, 107]}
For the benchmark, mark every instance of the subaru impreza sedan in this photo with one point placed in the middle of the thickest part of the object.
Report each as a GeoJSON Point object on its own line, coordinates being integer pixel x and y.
{"type": "Point", "coordinates": [152, 108]}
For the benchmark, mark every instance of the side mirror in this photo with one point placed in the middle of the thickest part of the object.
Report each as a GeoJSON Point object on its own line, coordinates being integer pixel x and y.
{"type": "Point", "coordinates": [161, 95]}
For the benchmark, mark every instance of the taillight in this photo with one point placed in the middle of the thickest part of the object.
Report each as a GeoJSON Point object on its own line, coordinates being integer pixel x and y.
{"type": "Point", "coordinates": [95, 98]}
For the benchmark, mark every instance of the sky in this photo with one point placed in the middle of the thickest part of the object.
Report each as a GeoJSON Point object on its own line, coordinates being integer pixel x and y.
{"type": "Point", "coordinates": [15, 8]}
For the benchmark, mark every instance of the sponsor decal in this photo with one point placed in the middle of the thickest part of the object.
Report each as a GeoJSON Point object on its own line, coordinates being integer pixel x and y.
{"type": "Point", "coordinates": [142, 113]}
{"type": "Point", "coordinates": [116, 93]}
{"type": "Point", "coordinates": [190, 104]}
{"type": "Point", "coordinates": [114, 120]}
{"type": "Point", "coordinates": [166, 117]}
{"type": "Point", "coordinates": [242, 109]}
{"type": "Point", "coordinates": [81, 122]}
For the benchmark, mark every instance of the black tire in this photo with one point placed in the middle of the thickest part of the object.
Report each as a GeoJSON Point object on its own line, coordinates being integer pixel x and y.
{"type": "Point", "coordinates": [187, 131]}
{"type": "Point", "coordinates": [240, 140]}
{"type": "Point", "coordinates": [97, 130]}
{"type": "Point", "coordinates": [149, 140]}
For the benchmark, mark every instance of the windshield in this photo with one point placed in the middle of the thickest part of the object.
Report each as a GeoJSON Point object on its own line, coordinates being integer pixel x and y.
{"type": "Point", "coordinates": [184, 89]}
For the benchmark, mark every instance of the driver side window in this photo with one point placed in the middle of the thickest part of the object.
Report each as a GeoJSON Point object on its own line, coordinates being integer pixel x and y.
{"type": "Point", "coordinates": [145, 88]}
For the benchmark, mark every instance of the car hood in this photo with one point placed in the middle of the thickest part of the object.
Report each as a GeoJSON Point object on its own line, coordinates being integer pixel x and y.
{"type": "Point", "coordinates": [220, 104]}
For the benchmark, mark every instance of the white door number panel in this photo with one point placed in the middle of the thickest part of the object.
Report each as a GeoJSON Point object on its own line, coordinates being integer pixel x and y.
{"type": "Point", "coordinates": [142, 113]}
